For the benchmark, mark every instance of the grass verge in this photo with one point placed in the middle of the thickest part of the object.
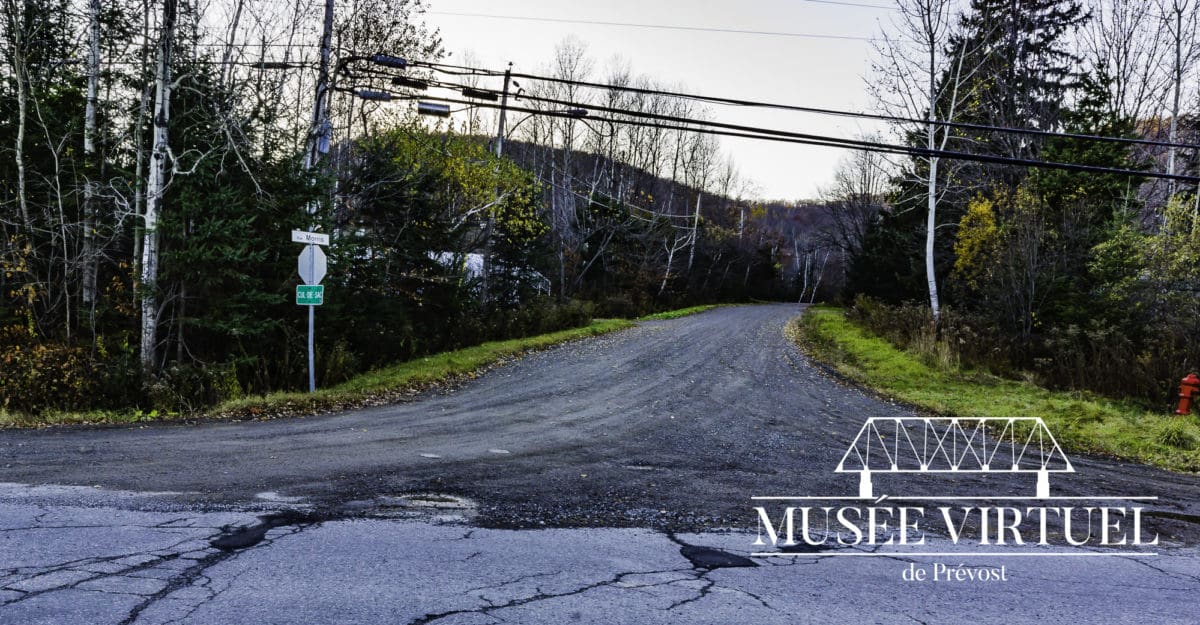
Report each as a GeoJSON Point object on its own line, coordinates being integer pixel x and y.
{"type": "Point", "coordinates": [682, 312]}
{"type": "Point", "coordinates": [1079, 421]}
{"type": "Point", "coordinates": [378, 387]}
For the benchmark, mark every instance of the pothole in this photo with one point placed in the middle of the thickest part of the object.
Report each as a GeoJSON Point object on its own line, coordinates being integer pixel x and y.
{"type": "Point", "coordinates": [235, 538]}
{"type": "Point", "coordinates": [275, 497]}
{"type": "Point", "coordinates": [710, 558]}
{"type": "Point", "coordinates": [436, 507]}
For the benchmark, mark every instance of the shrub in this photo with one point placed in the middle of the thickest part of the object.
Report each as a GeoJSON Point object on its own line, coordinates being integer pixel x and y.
{"type": "Point", "coordinates": [191, 388]}
{"type": "Point", "coordinates": [1097, 357]}
{"type": "Point", "coordinates": [37, 375]}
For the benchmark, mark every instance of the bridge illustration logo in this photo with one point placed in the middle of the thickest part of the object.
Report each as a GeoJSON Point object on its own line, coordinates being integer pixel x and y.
{"type": "Point", "coordinates": [995, 523]}
{"type": "Point", "coordinates": [954, 445]}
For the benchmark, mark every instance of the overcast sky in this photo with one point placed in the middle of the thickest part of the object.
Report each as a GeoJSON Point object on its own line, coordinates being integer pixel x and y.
{"type": "Point", "coordinates": [829, 73]}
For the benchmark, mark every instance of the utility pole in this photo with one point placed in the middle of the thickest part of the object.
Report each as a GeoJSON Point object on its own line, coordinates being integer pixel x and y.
{"type": "Point", "coordinates": [487, 241]}
{"type": "Point", "coordinates": [503, 110]}
{"type": "Point", "coordinates": [320, 120]}
{"type": "Point", "coordinates": [318, 143]}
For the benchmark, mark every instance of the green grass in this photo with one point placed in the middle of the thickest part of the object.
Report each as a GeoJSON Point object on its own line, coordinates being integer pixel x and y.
{"type": "Point", "coordinates": [1079, 421]}
{"type": "Point", "coordinates": [682, 312]}
{"type": "Point", "coordinates": [372, 388]}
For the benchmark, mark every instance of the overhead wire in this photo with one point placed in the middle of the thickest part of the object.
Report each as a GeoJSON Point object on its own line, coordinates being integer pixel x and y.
{"type": "Point", "coordinates": [465, 70]}
{"type": "Point", "coordinates": [751, 132]}
{"type": "Point", "coordinates": [854, 4]}
{"type": "Point", "coordinates": [556, 20]}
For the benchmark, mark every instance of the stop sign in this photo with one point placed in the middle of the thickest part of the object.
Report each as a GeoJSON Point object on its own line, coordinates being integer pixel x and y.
{"type": "Point", "coordinates": [312, 264]}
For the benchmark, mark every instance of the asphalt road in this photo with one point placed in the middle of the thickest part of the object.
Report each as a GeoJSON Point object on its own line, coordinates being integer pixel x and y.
{"type": "Point", "coordinates": [666, 429]}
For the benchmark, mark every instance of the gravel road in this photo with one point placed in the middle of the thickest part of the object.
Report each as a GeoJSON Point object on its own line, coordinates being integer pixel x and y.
{"type": "Point", "coordinates": [670, 425]}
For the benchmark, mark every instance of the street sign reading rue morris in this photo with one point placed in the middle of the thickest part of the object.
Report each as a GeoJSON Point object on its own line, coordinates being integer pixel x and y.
{"type": "Point", "coordinates": [310, 294]}
{"type": "Point", "coordinates": [312, 238]}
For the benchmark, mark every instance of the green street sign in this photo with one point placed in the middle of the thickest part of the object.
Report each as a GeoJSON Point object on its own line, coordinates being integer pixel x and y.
{"type": "Point", "coordinates": [310, 294]}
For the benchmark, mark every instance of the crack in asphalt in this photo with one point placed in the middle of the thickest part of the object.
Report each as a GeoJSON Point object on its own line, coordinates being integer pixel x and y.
{"type": "Point", "coordinates": [700, 580]}
{"type": "Point", "coordinates": [1174, 574]}
{"type": "Point", "coordinates": [520, 601]}
{"type": "Point", "coordinates": [229, 544]}
{"type": "Point", "coordinates": [704, 561]}
{"type": "Point", "coordinates": [512, 581]}
{"type": "Point", "coordinates": [76, 567]}
{"type": "Point", "coordinates": [38, 518]}
{"type": "Point", "coordinates": [702, 593]}
{"type": "Point", "coordinates": [226, 543]}
{"type": "Point", "coordinates": [185, 578]}
{"type": "Point", "coordinates": [617, 581]}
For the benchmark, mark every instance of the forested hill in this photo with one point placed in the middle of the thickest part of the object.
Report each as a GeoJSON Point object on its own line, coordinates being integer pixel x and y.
{"type": "Point", "coordinates": [161, 158]}
{"type": "Point", "coordinates": [158, 156]}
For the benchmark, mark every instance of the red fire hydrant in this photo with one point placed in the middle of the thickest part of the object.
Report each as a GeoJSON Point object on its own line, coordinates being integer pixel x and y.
{"type": "Point", "coordinates": [1188, 389]}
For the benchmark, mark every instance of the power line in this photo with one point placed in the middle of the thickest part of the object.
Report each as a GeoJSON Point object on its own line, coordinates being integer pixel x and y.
{"type": "Point", "coordinates": [711, 29]}
{"type": "Point", "coordinates": [833, 142]}
{"type": "Point", "coordinates": [267, 65]}
{"type": "Point", "coordinates": [820, 111]}
{"type": "Point", "coordinates": [654, 215]}
{"type": "Point", "coordinates": [853, 4]}
{"type": "Point", "coordinates": [751, 132]}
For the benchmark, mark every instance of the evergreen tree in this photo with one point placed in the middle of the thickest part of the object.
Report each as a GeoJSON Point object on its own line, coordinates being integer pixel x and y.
{"type": "Point", "coordinates": [1026, 73]}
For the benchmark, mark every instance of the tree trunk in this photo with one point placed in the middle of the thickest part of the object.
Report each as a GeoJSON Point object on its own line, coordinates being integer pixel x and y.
{"type": "Point", "coordinates": [931, 220]}
{"type": "Point", "coordinates": [804, 274]}
{"type": "Point", "coordinates": [930, 228]}
{"type": "Point", "coordinates": [139, 191]}
{"type": "Point", "coordinates": [812, 298]}
{"type": "Point", "coordinates": [89, 156]}
{"type": "Point", "coordinates": [154, 189]}
{"type": "Point", "coordinates": [667, 274]}
{"type": "Point", "coordinates": [1177, 80]}
{"type": "Point", "coordinates": [19, 69]}
{"type": "Point", "coordinates": [695, 232]}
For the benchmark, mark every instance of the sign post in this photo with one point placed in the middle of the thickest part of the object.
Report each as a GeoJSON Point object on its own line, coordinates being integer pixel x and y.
{"type": "Point", "coordinates": [311, 266]}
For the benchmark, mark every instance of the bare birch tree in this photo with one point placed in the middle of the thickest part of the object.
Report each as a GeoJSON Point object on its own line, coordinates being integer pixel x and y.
{"type": "Point", "coordinates": [89, 256]}
{"type": "Point", "coordinates": [918, 80]}
{"type": "Point", "coordinates": [155, 186]}
{"type": "Point", "coordinates": [1179, 21]}
{"type": "Point", "coordinates": [1124, 40]}
{"type": "Point", "coordinates": [856, 197]}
